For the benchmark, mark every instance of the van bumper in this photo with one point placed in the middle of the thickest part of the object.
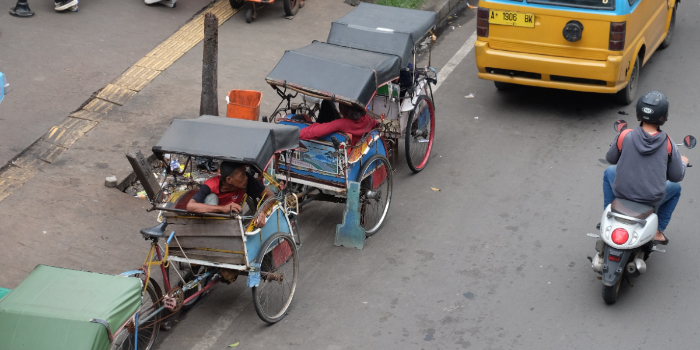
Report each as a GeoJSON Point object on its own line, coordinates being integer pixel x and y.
{"type": "Point", "coordinates": [549, 71]}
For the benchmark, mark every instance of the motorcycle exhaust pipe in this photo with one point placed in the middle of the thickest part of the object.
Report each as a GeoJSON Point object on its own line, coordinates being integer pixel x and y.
{"type": "Point", "coordinates": [640, 265]}
{"type": "Point", "coordinates": [631, 268]}
{"type": "Point", "coordinates": [597, 263]}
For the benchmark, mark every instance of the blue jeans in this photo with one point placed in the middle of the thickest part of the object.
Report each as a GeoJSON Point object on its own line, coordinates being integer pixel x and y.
{"type": "Point", "coordinates": [673, 194]}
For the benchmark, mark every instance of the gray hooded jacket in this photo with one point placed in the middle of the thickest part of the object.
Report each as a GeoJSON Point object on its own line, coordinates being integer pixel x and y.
{"type": "Point", "coordinates": [643, 167]}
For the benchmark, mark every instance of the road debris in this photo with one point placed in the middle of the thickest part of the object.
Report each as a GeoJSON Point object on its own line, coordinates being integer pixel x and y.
{"type": "Point", "coordinates": [234, 345]}
{"type": "Point", "coordinates": [111, 181]}
{"type": "Point", "coordinates": [471, 95]}
{"type": "Point", "coordinates": [435, 189]}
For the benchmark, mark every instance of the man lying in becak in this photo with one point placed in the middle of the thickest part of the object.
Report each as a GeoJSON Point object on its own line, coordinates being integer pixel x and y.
{"type": "Point", "coordinates": [225, 193]}
{"type": "Point", "coordinates": [354, 121]}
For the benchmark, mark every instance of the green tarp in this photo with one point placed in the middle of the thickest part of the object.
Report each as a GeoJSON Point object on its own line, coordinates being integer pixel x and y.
{"type": "Point", "coordinates": [4, 291]}
{"type": "Point", "coordinates": [52, 309]}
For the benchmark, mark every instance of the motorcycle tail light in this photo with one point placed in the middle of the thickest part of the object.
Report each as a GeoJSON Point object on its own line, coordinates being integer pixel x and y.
{"type": "Point", "coordinates": [613, 258]}
{"type": "Point", "coordinates": [620, 236]}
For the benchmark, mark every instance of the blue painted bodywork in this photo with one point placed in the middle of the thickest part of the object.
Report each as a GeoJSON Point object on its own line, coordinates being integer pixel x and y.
{"type": "Point", "coordinates": [350, 233]}
{"type": "Point", "coordinates": [253, 279]}
{"type": "Point", "coordinates": [2, 86]}
{"type": "Point", "coordinates": [354, 168]}
{"type": "Point", "coordinates": [622, 7]}
{"type": "Point", "coordinates": [276, 222]}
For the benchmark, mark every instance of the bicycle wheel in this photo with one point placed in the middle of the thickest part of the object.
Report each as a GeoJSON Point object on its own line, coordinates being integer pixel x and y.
{"type": "Point", "coordinates": [279, 266]}
{"type": "Point", "coordinates": [147, 334]}
{"type": "Point", "coordinates": [375, 192]}
{"type": "Point", "coordinates": [277, 115]}
{"type": "Point", "coordinates": [420, 133]}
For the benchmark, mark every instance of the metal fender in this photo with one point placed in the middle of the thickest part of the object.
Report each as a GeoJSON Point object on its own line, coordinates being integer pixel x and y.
{"type": "Point", "coordinates": [407, 107]}
{"type": "Point", "coordinates": [612, 270]}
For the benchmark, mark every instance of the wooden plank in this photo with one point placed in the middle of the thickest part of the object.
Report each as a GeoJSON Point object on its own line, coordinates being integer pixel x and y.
{"type": "Point", "coordinates": [211, 256]}
{"type": "Point", "coordinates": [223, 243]}
{"type": "Point", "coordinates": [231, 230]}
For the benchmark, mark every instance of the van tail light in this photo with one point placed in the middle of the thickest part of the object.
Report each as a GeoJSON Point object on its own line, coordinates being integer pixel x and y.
{"type": "Point", "coordinates": [482, 22]}
{"type": "Point", "coordinates": [617, 36]}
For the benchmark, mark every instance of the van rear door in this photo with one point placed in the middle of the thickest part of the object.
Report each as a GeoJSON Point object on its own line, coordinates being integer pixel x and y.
{"type": "Point", "coordinates": [537, 29]}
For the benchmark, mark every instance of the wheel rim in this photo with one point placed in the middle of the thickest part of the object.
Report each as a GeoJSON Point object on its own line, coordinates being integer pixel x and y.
{"type": "Point", "coordinates": [421, 134]}
{"type": "Point", "coordinates": [374, 201]}
{"type": "Point", "coordinates": [124, 340]}
{"type": "Point", "coordinates": [277, 284]}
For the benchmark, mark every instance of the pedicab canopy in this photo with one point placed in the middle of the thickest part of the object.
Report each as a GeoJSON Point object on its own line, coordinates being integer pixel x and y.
{"type": "Point", "coordinates": [238, 140]}
{"type": "Point", "coordinates": [333, 72]}
{"type": "Point", "coordinates": [53, 308]}
{"type": "Point", "coordinates": [386, 29]}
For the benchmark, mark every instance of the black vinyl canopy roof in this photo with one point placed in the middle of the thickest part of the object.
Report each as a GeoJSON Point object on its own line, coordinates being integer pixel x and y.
{"type": "Point", "coordinates": [334, 72]}
{"type": "Point", "coordinates": [237, 140]}
{"type": "Point", "coordinates": [384, 29]}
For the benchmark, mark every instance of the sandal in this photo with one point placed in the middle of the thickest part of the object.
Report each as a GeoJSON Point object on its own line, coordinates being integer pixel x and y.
{"type": "Point", "coordinates": [664, 242]}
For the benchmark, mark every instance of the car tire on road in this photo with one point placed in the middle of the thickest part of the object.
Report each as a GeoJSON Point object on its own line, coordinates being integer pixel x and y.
{"type": "Point", "coordinates": [291, 7]}
{"type": "Point", "coordinates": [629, 92]}
{"type": "Point", "coordinates": [236, 3]}
{"type": "Point", "coordinates": [501, 86]}
{"type": "Point", "coordinates": [669, 34]}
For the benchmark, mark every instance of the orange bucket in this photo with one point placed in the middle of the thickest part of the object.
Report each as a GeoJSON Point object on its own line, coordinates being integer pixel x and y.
{"type": "Point", "coordinates": [243, 104]}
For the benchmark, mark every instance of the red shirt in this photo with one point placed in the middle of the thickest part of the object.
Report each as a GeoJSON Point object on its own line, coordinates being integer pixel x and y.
{"type": "Point", "coordinates": [227, 197]}
{"type": "Point", "coordinates": [356, 128]}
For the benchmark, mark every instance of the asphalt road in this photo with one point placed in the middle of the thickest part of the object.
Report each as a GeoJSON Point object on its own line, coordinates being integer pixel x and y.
{"type": "Point", "coordinates": [496, 259]}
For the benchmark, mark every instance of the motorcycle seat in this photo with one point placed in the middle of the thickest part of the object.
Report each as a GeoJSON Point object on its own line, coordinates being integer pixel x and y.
{"type": "Point", "coordinates": [632, 209]}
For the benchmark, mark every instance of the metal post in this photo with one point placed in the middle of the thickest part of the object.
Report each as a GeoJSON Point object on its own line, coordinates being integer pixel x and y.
{"type": "Point", "coordinates": [21, 9]}
{"type": "Point", "coordinates": [209, 103]}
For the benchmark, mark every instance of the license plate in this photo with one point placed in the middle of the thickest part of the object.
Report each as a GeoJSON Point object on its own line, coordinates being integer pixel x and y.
{"type": "Point", "coordinates": [507, 18]}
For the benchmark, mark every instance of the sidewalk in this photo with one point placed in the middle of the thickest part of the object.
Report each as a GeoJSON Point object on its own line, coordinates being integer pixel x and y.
{"type": "Point", "coordinates": [65, 216]}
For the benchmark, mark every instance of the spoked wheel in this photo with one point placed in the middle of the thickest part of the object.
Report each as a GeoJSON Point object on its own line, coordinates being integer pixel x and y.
{"type": "Point", "coordinates": [375, 192]}
{"type": "Point", "coordinates": [277, 115]}
{"type": "Point", "coordinates": [291, 7]}
{"type": "Point", "coordinates": [190, 276]}
{"type": "Point", "coordinates": [420, 133]}
{"type": "Point", "coordinates": [124, 339]}
{"type": "Point", "coordinates": [279, 266]}
{"type": "Point", "coordinates": [610, 292]}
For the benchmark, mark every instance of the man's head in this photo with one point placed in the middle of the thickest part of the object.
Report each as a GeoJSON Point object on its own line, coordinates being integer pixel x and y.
{"type": "Point", "coordinates": [351, 112]}
{"type": "Point", "coordinates": [234, 174]}
{"type": "Point", "coordinates": [652, 108]}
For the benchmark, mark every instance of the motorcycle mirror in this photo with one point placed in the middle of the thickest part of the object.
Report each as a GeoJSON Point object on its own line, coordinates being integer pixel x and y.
{"type": "Point", "coordinates": [2, 86]}
{"type": "Point", "coordinates": [620, 125]}
{"type": "Point", "coordinates": [689, 141]}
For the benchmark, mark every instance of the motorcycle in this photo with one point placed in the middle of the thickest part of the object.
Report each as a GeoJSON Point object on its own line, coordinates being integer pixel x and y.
{"type": "Point", "coordinates": [625, 242]}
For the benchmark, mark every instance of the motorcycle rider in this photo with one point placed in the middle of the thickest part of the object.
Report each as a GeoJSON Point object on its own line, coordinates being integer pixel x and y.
{"type": "Point", "coordinates": [648, 168]}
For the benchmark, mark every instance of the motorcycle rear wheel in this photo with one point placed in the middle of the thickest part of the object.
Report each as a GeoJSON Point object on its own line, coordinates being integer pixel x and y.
{"type": "Point", "coordinates": [610, 293]}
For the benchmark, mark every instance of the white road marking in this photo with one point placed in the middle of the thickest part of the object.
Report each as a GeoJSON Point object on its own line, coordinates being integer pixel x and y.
{"type": "Point", "coordinates": [455, 60]}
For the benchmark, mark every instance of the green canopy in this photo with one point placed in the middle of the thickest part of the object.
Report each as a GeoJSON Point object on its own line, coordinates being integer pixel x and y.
{"type": "Point", "coordinates": [53, 308]}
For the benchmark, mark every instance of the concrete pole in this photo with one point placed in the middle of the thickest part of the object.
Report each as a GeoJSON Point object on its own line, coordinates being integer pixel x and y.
{"type": "Point", "coordinates": [209, 103]}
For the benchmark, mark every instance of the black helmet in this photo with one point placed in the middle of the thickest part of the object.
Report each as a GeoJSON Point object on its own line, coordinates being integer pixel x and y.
{"type": "Point", "coordinates": [652, 108]}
